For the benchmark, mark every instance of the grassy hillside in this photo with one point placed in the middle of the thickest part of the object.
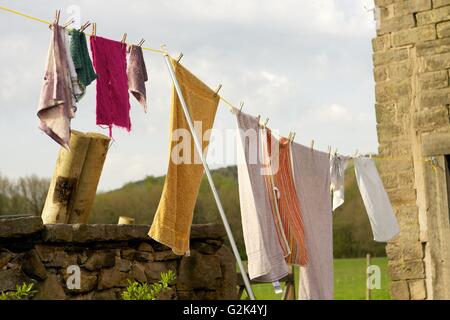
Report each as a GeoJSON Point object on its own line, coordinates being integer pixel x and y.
{"type": "Point", "coordinates": [352, 233]}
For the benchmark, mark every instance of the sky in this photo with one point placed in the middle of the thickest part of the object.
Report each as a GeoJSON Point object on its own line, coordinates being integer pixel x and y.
{"type": "Point", "coordinates": [306, 65]}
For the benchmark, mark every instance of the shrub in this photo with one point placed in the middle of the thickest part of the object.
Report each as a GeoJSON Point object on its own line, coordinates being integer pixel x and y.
{"type": "Point", "coordinates": [23, 292]}
{"type": "Point", "coordinates": [143, 291]}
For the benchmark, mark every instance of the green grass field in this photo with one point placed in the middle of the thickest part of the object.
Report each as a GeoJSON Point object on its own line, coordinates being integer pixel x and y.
{"type": "Point", "coordinates": [349, 281]}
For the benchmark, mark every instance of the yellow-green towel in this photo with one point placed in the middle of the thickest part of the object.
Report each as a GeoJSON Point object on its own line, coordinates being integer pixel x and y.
{"type": "Point", "coordinates": [172, 223]}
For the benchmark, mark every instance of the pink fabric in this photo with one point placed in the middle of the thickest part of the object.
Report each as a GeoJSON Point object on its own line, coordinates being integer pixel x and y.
{"type": "Point", "coordinates": [113, 103]}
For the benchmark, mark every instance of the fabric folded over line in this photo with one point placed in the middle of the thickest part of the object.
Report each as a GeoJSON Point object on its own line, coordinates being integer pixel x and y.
{"type": "Point", "coordinates": [113, 104]}
{"type": "Point", "coordinates": [311, 170]}
{"type": "Point", "coordinates": [288, 203]}
{"type": "Point", "coordinates": [75, 87]}
{"type": "Point", "coordinates": [379, 210]}
{"type": "Point", "coordinates": [172, 222]}
{"type": "Point", "coordinates": [81, 60]}
{"type": "Point", "coordinates": [55, 108]}
{"type": "Point", "coordinates": [266, 261]}
{"type": "Point", "coordinates": [137, 74]}
{"type": "Point", "coordinates": [338, 164]}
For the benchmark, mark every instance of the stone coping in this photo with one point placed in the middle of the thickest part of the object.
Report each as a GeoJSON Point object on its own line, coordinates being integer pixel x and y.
{"type": "Point", "coordinates": [14, 228]}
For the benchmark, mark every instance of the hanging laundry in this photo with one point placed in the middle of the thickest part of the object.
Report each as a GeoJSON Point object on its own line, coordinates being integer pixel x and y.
{"type": "Point", "coordinates": [81, 59]}
{"type": "Point", "coordinates": [113, 105]}
{"type": "Point", "coordinates": [381, 215]}
{"type": "Point", "coordinates": [288, 204]}
{"type": "Point", "coordinates": [338, 164]}
{"type": "Point", "coordinates": [311, 171]}
{"type": "Point", "coordinates": [264, 253]}
{"type": "Point", "coordinates": [137, 74]}
{"type": "Point", "coordinates": [172, 223]}
{"type": "Point", "coordinates": [55, 108]}
{"type": "Point", "coordinates": [73, 77]}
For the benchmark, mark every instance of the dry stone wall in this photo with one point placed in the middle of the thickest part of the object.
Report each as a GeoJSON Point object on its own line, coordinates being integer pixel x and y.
{"type": "Point", "coordinates": [109, 255]}
{"type": "Point", "coordinates": [411, 68]}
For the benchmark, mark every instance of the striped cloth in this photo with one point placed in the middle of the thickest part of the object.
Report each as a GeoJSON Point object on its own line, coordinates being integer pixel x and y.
{"type": "Point", "coordinates": [287, 201]}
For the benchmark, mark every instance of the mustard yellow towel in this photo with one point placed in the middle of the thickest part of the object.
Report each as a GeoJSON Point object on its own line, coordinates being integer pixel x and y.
{"type": "Point", "coordinates": [172, 223]}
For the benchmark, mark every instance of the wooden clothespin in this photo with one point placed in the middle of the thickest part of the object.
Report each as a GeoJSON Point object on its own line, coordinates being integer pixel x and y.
{"type": "Point", "coordinates": [85, 26]}
{"type": "Point", "coordinates": [217, 90]}
{"type": "Point", "coordinates": [265, 123]}
{"type": "Point", "coordinates": [57, 15]}
{"type": "Point", "coordinates": [335, 152]}
{"type": "Point", "coordinates": [241, 105]}
{"type": "Point", "coordinates": [124, 38]}
{"type": "Point", "coordinates": [179, 57]}
{"type": "Point", "coordinates": [141, 42]}
{"type": "Point", "coordinates": [312, 144]}
{"type": "Point", "coordinates": [94, 30]}
{"type": "Point", "coordinates": [68, 23]}
{"type": "Point", "coordinates": [258, 119]}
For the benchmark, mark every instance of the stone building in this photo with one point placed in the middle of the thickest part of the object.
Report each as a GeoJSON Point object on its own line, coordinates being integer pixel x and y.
{"type": "Point", "coordinates": [411, 68]}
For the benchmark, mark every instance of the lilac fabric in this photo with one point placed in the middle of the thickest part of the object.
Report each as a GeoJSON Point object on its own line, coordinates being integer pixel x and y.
{"type": "Point", "coordinates": [55, 108]}
{"type": "Point", "coordinates": [113, 104]}
{"type": "Point", "coordinates": [137, 74]}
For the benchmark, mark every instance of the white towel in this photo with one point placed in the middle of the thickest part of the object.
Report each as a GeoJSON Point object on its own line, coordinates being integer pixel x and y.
{"type": "Point", "coordinates": [311, 171]}
{"type": "Point", "coordinates": [265, 258]}
{"type": "Point", "coordinates": [381, 215]}
{"type": "Point", "coordinates": [338, 164]}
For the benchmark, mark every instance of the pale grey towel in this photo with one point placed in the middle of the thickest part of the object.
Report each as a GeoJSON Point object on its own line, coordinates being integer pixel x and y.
{"type": "Point", "coordinates": [311, 171]}
{"type": "Point", "coordinates": [55, 103]}
{"type": "Point", "coordinates": [266, 262]}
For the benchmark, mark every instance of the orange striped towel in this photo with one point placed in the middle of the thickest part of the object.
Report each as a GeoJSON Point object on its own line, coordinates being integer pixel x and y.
{"type": "Point", "coordinates": [288, 203]}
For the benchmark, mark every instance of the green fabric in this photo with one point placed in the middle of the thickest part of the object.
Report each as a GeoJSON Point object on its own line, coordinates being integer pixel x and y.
{"type": "Point", "coordinates": [81, 58]}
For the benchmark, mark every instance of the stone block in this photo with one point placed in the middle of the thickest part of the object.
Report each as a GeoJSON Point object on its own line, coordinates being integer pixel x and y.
{"type": "Point", "coordinates": [401, 70]}
{"type": "Point", "coordinates": [390, 91]}
{"type": "Point", "coordinates": [385, 113]}
{"type": "Point", "coordinates": [411, 6]}
{"type": "Point", "coordinates": [402, 196]}
{"type": "Point", "coordinates": [204, 247]}
{"type": "Point", "coordinates": [123, 264]}
{"type": "Point", "coordinates": [20, 227]}
{"type": "Point", "coordinates": [399, 290]}
{"type": "Point", "coordinates": [138, 272]}
{"type": "Point", "coordinates": [431, 118]}
{"type": "Point", "coordinates": [50, 289]}
{"type": "Point", "coordinates": [440, 3]}
{"type": "Point", "coordinates": [387, 133]}
{"type": "Point", "coordinates": [413, 35]}
{"type": "Point", "coordinates": [87, 284]}
{"type": "Point", "coordinates": [431, 48]}
{"type": "Point", "coordinates": [112, 277]}
{"type": "Point", "coordinates": [433, 80]}
{"type": "Point", "coordinates": [380, 73]}
{"type": "Point", "coordinates": [433, 16]}
{"type": "Point", "coordinates": [100, 259]}
{"type": "Point", "coordinates": [146, 247]}
{"type": "Point", "coordinates": [199, 271]}
{"type": "Point", "coordinates": [383, 3]}
{"type": "Point", "coordinates": [110, 294]}
{"type": "Point", "coordinates": [58, 233]}
{"type": "Point", "coordinates": [396, 23]}
{"type": "Point", "coordinates": [10, 278]}
{"type": "Point", "coordinates": [390, 56]}
{"type": "Point", "coordinates": [227, 290]}
{"type": "Point", "coordinates": [437, 97]}
{"type": "Point", "coordinates": [406, 270]}
{"type": "Point", "coordinates": [165, 256]}
{"type": "Point", "coordinates": [83, 233]}
{"type": "Point", "coordinates": [443, 29]}
{"type": "Point", "coordinates": [381, 43]}
{"type": "Point", "coordinates": [32, 265]}
{"type": "Point", "coordinates": [5, 257]}
{"type": "Point", "coordinates": [208, 231]}
{"type": "Point", "coordinates": [153, 269]}
{"type": "Point", "coordinates": [55, 256]}
{"type": "Point", "coordinates": [417, 289]}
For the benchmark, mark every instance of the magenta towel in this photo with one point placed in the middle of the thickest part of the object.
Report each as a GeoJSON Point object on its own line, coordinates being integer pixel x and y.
{"type": "Point", "coordinates": [113, 103]}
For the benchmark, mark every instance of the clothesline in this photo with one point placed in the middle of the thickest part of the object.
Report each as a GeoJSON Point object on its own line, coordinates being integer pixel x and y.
{"type": "Point", "coordinates": [160, 51]}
